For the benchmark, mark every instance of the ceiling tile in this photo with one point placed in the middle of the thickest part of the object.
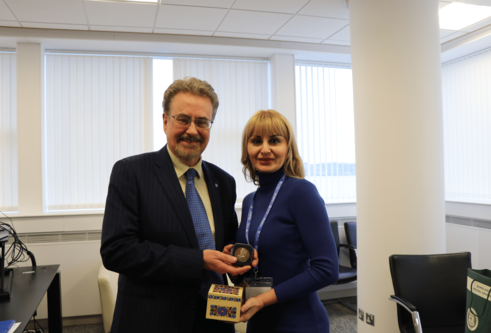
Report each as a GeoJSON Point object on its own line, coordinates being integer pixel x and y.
{"type": "Point", "coordinates": [182, 32]}
{"type": "Point", "coordinates": [276, 6]}
{"type": "Point", "coordinates": [297, 39]}
{"type": "Point", "coordinates": [201, 3]}
{"type": "Point", "coordinates": [477, 2]}
{"type": "Point", "coordinates": [5, 13]}
{"type": "Point", "coordinates": [442, 4]}
{"type": "Point", "coordinates": [336, 42]}
{"type": "Point", "coordinates": [121, 29]}
{"type": "Point", "coordinates": [193, 18]}
{"type": "Point", "coordinates": [477, 26]}
{"type": "Point", "coordinates": [9, 23]}
{"type": "Point", "coordinates": [55, 26]}
{"type": "Point", "coordinates": [445, 33]}
{"type": "Point", "coordinates": [48, 11]}
{"type": "Point", "coordinates": [456, 34]}
{"type": "Point", "coordinates": [312, 27]}
{"type": "Point", "coordinates": [343, 34]}
{"type": "Point", "coordinates": [326, 8]}
{"type": "Point", "coordinates": [241, 35]}
{"type": "Point", "coordinates": [128, 14]}
{"type": "Point", "coordinates": [253, 22]}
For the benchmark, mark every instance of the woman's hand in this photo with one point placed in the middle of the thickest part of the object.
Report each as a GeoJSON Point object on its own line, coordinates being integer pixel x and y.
{"type": "Point", "coordinates": [228, 249]}
{"type": "Point", "coordinates": [253, 305]}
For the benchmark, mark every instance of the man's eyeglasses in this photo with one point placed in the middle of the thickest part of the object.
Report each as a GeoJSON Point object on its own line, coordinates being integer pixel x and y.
{"type": "Point", "coordinates": [184, 120]}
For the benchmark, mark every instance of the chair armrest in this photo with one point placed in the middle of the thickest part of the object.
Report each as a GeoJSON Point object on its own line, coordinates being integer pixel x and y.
{"type": "Point", "coordinates": [409, 307]}
{"type": "Point", "coordinates": [347, 245]}
{"type": "Point", "coordinates": [412, 310]}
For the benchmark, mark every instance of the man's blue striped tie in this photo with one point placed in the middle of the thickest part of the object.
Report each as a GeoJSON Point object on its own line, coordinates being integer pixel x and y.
{"type": "Point", "coordinates": [202, 229]}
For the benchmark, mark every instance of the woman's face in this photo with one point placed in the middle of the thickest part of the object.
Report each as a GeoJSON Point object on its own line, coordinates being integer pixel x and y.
{"type": "Point", "coordinates": [267, 153]}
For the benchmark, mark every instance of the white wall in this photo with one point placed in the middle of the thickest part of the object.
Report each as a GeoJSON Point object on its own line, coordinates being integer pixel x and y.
{"type": "Point", "coordinates": [461, 238]}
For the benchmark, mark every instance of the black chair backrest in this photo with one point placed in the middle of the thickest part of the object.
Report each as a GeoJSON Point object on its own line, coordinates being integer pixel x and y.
{"type": "Point", "coordinates": [335, 233]}
{"type": "Point", "coordinates": [350, 230]}
{"type": "Point", "coordinates": [435, 284]}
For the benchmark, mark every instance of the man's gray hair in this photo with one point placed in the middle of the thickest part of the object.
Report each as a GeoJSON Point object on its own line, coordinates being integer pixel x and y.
{"type": "Point", "coordinates": [192, 86]}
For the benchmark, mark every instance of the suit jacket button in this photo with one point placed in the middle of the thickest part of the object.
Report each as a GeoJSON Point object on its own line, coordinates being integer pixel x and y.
{"type": "Point", "coordinates": [192, 303]}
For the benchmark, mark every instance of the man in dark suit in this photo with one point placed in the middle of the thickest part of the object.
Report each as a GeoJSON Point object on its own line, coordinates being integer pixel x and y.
{"type": "Point", "coordinates": [153, 236]}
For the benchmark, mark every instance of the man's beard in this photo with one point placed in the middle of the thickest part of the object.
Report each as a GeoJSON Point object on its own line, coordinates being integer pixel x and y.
{"type": "Point", "coordinates": [188, 152]}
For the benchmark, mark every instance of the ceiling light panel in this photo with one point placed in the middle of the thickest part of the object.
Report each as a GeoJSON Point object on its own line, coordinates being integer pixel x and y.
{"type": "Point", "coordinates": [457, 16]}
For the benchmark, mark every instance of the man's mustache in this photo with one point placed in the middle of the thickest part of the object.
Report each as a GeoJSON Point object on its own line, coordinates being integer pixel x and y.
{"type": "Point", "coordinates": [189, 138]}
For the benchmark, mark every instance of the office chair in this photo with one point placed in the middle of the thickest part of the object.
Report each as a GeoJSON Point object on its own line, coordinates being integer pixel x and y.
{"type": "Point", "coordinates": [350, 230]}
{"type": "Point", "coordinates": [430, 291]}
{"type": "Point", "coordinates": [346, 274]}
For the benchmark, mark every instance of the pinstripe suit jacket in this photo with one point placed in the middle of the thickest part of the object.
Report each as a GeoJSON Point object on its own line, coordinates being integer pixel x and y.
{"type": "Point", "coordinates": [148, 237]}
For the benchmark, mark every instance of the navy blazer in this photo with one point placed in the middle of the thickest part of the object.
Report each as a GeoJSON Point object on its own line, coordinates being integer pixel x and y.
{"type": "Point", "coordinates": [148, 237]}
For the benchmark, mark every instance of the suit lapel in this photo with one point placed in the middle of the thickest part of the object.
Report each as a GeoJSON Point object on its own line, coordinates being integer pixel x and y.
{"type": "Point", "coordinates": [166, 175]}
{"type": "Point", "coordinates": [216, 205]}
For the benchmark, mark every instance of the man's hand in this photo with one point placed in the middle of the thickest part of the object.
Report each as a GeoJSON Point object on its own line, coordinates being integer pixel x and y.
{"type": "Point", "coordinates": [222, 263]}
{"type": "Point", "coordinates": [228, 249]}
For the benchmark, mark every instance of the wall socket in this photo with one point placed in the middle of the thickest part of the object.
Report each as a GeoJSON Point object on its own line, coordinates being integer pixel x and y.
{"type": "Point", "coordinates": [361, 314]}
{"type": "Point", "coordinates": [370, 319]}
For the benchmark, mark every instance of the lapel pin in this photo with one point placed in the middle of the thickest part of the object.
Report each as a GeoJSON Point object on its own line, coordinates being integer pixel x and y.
{"type": "Point", "coordinates": [216, 185]}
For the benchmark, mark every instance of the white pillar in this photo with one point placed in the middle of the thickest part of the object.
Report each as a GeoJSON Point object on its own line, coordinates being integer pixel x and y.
{"type": "Point", "coordinates": [282, 71]}
{"type": "Point", "coordinates": [30, 100]}
{"type": "Point", "coordinates": [399, 143]}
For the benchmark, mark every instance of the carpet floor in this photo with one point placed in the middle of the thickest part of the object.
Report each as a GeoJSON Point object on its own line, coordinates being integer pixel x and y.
{"type": "Point", "coordinates": [342, 319]}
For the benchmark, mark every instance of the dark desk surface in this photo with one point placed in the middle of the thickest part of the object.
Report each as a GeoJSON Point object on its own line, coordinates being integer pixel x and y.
{"type": "Point", "coordinates": [28, 290]}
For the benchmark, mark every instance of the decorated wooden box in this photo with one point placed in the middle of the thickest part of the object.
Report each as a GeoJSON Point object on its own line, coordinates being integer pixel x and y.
{"type": "Point", "coordinates": [224, 303]}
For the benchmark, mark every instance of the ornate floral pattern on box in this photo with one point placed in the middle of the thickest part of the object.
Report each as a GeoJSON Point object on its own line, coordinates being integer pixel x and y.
{"type": "Point", "coordinates": [224, 302]}
{"type": "Point", "coordinates": [223, 311]}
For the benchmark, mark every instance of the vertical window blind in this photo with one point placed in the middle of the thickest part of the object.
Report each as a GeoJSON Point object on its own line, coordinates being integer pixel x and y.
{"type": "Point", "coordinates": [243, 89]}
{"type": "Point", "coordinates": [325, 129]}
{"type": "Point", "coordinates": [467, 128]}
{"type": "Point", "coordinates": [93, 117]}
{"type": "Point", "coordinates": [8, 133]}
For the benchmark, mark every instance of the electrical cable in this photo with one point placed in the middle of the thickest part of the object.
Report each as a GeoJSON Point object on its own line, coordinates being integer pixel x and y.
{"type": "Point", "coordinates": [17, 251]}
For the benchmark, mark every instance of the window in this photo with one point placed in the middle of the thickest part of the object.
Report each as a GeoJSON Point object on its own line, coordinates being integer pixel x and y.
{"type": "Point", "coordinates": [8, 133]}
{"type": "Point", "coordinates": [243, 89]}
{"type": "Point", "coordinates": [163, 76]}
{"type": "Point", "coordinates": [325, 129]}
{"type": "Point", "coordinates": [467, 128]}
{"type": "Point", "coordinates": [94, 116]}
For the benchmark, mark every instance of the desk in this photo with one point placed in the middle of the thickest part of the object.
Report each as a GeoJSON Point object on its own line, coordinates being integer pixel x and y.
{"type": "Point", "coordinates": [27, 291]}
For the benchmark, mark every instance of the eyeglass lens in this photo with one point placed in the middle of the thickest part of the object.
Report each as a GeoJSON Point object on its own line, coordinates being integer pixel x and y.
{"type": "Point", "coordinates": [185, 120]}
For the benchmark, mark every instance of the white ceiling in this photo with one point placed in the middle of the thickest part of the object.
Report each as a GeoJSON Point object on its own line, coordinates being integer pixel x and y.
{"type": "Point", "coordinates": [324, 22]}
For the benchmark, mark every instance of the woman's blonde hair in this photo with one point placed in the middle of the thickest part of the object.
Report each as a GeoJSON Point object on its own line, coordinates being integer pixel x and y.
{"type": "Point", "coordinates": [271, 122]}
